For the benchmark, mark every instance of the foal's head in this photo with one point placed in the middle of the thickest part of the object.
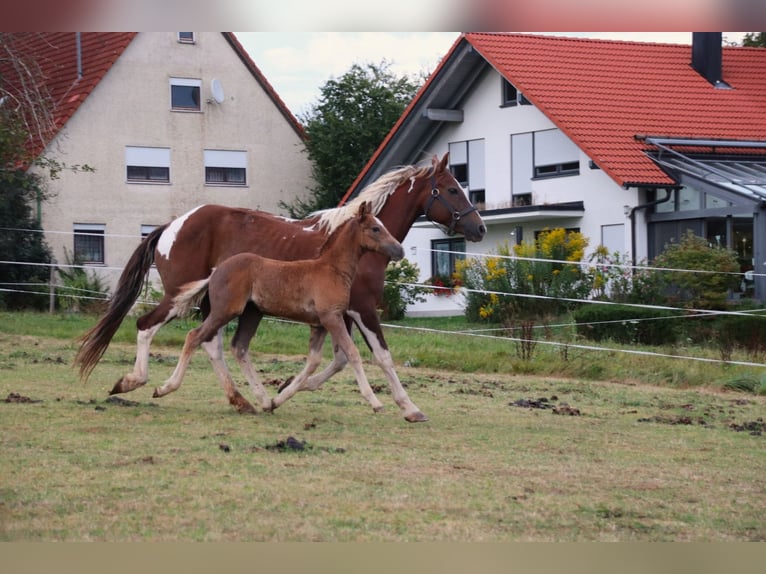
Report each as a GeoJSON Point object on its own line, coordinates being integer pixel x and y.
{"type": "Point", "coordinates": [374, 236]}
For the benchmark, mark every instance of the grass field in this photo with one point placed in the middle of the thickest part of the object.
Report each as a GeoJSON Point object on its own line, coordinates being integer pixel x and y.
{"type": "Point", "coordinates": [506, 456]}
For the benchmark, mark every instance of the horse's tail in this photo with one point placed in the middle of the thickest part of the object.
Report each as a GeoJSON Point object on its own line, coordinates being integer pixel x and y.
{"type": "Point", "coordinates": [190, 295]}
{"type": "Point", "coordinates": [95, 341]}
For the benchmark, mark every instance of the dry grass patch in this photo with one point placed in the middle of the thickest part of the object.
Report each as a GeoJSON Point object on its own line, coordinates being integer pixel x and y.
{"type": "Point", "coordinates": [632, 463]}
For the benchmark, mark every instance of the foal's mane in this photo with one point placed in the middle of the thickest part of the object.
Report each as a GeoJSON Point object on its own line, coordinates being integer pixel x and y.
{"type": "Point", "coordinates": [376, 194]}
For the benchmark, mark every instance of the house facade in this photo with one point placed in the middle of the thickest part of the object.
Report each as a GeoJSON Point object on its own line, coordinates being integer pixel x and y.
{"type": "Point", "coordinates": [168, 121]}
{"type": "Point", "coordinates": [630, 144]}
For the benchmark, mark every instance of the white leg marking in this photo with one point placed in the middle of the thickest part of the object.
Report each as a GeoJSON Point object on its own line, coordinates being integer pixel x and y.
{"type": "Point", "coordinates": [386, 363]}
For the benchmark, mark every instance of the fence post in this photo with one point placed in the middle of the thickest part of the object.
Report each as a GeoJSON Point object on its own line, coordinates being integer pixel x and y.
{"type": "Point", "coordinates": [52, 290]}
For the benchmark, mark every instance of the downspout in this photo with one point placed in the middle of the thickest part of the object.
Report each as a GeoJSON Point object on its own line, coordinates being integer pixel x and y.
{"type": "Point", "coordinates": [669, 192]}
{"type": "Point", "coordinates": [78, 47]}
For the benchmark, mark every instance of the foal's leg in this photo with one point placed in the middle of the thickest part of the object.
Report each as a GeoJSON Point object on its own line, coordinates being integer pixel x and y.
{"type": "Point", "coordinates": [370, 328]}
{"type": "Point", "coordinates": [211, 339]}
{"type": "Point", "coordinates": [214, 348]}
{"type": "Point", "coordinates": [342, 339]}
{"type": "Point", "coordinates": [193, 340]}
{"type": "Point", "coordinates": [148, 325]}
{"type": "Point", "coordinates": [316, 341]}
{"type": "Point", "coordinates": [240, 342]}
{"type": "Point", "coordinates": [312, 362]}
{"type": "Point", "coordinates": [339, 362]}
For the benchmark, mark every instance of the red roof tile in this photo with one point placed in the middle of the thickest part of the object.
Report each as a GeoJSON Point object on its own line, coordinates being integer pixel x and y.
{"type": "Point", "coordinates": [603, 93]}
{"type": "Point", "coordinates": [55, 57]}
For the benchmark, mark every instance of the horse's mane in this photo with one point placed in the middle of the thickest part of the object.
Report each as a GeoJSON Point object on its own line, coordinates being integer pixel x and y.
{"type": "Point", "coordinates": [376, 194]}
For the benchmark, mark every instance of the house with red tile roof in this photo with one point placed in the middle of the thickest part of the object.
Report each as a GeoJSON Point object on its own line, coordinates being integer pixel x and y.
{"type": "Point", "coordinates": [629, 143]}
{"type": "Point", "coordinates": [167, 121]}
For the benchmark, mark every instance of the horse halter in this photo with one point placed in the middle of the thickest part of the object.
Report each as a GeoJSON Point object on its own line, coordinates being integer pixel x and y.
{"type": "Point", "coordinates": [456, 215]}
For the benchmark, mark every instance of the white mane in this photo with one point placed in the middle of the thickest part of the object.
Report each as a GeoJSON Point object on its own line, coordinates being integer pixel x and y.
{"type": "Point", "coordinates": [376, 194]}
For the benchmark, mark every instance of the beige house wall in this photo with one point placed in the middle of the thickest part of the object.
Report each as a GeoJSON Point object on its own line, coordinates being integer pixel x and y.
{"type": "Point", "coordinates": [131, 107]}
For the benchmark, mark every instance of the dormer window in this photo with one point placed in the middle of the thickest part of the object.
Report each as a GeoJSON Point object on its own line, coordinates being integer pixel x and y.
{"type": "Point", "coordinates": [511, 96]}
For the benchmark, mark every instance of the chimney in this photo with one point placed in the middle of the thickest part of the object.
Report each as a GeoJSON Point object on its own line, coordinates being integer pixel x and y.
{"type": "Point", "coordinates": [706, 57]}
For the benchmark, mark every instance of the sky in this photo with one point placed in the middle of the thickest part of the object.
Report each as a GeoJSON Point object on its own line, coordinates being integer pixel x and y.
{"type": "Point", "coordinates": [298, 64]}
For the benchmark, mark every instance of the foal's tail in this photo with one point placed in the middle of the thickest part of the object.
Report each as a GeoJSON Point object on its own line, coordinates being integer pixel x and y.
{"type": "Point", "coordinates": [190, 295]}
{"type": "Point", "coordinates": [95, 341]}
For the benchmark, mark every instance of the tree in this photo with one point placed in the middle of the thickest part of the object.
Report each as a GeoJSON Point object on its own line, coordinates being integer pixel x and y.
{"type": "Point", "coordinates": [754, 40]}
{"type": "Point", "coordinates": [21, 238]}
{"type": "Point", "coordinates": [25, 119]}
{"type": "Point", "coordinates": [353, 115]}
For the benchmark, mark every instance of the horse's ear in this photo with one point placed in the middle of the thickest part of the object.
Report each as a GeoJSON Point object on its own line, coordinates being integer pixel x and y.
{"type": "Point", "coordinates": [444, 162]}
{"type": "Point", "coordinates": [364, 209]}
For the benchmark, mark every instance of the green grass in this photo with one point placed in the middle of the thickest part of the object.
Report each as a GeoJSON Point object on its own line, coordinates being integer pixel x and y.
{"type": "Point", "coordinates": [640, 462]}
{"type": "Point", "coordinates": [415, 342]}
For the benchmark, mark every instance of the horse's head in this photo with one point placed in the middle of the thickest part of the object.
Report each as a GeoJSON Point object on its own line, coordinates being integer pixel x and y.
{"type": "Point", "coordinates": [448, 205]}
{"type": "Point", "coordinates": [375, 236]}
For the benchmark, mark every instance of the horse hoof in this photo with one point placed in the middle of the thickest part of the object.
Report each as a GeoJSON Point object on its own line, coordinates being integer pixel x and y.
{"type": "Point", "coordinates": [377, 409]}
{"type": "Point", "coordinates": [284, 385]}
{"type": "Point", "coordinates": [156, 394]}
{"type": "Point", "coordinates": [246, 409]}
{"type": "Point", "coordinates": [416, 417]}
{"type": "Point", "coordinates": [124, 386]}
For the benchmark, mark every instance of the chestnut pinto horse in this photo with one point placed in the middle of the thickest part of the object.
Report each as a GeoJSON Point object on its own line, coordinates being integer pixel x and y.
{"type": "Point", "coordinates": [313, 291]}
{"type": "Point", "coordinates": [188, 248]}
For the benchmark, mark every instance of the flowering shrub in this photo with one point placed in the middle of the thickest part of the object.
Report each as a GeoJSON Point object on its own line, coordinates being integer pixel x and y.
{"type": "Point", "coordinates": [444, 285]}
{"type": "Point", "coordinates": [545, 269]}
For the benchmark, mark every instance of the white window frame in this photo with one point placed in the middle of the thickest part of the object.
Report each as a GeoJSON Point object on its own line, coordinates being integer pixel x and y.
{"type": "Point", "coordinates": [147, 157]}
{"type": "Point", "coordinates": [186, 82]}
{"type": "Point", "coordinates": [94, 232]}
{"type": "Point", "coordinates": [226, 160]}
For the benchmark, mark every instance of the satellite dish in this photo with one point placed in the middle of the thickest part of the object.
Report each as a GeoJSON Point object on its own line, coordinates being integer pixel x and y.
{"type": "Point", "coordinates": [217, 90]}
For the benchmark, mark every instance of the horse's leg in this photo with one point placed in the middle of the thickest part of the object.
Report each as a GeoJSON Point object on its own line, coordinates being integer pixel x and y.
{"type": "Point", "coordinates": [369, 326]}
{"type": "Point", "coordinates": [148, 325]}
{"type": "Point", "coordinates": [342, 339]}
{"type": "Point", "coordinates": [312, 362]}
{"type": "Point", "coordinates": [240, 342]}
{"type": "Point", "coordinates": [193, 340]}
{"type": "Point", "coordinates": [318, 334]}
{"type": "Point", "coordinates": [214, 349]}
{"type": "Point", "coordinates": [339, 362]}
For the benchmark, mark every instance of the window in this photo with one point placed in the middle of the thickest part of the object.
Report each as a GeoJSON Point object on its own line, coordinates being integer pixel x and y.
{"type": "Point", "coordinates": [555, 154]}
{"type": "Point", "coordinates": [185, 94]}
{"type": "Point", "coordinates": [613, 237]}
{"type": "Point", "coordinates": [569, 168]}
{"type": "Point", "coordinates": [511, 96]}
{"type": "Point", "coordinates": [225, 167]}
{"type": "Point", "coordinates": [146, 230]}
{"type": "Point", "coordinates": [444, 254]}
{"type": "Point", "coordinates": [147, 164]}
{"type": "Point", "coordinates": [186, 37]}
{"type": "Point", "coordinates": [89, 242]}
{"type": "Point", "coordinates": [476, 197]}
{"type": "Point", "coordinates": [466, 160]}
{"type": "Point", "coordinates": [539, 155]}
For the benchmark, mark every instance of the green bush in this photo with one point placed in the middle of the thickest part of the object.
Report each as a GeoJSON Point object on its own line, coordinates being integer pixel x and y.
{"type": "Point", "coordinates": [699, 276]}
{"type": "Point", "coordinates": [626, 324]}
{"type": "Point", "coordinates": [396, 293]}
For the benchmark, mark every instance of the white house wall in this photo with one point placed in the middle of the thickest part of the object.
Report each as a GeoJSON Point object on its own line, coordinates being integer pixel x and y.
{"type": "Point", "coordinates": [131, 107]}
{"type": "Point", "coordinates": [485, 119]}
